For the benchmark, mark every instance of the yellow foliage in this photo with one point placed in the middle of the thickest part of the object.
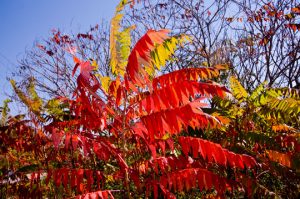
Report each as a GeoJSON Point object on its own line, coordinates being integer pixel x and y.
{"type": "Point", "coordinates": [95, 65]}
{"type": "Point", "coordinates": [33, 102]}
{"type": "Point", "coordinates": [162, 53]}
{"type": "Point", "coordinates": [120, 41]}
{"type": "Point", "coordinates": [4, 112]}
{"type": "Point", "coordinates": [237, 89]}
{"type": "Point", "coordinates": [105, 82]}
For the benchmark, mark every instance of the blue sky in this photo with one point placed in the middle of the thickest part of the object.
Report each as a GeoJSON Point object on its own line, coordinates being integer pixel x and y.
{"type": "Point", "coordinates": [24, 21]}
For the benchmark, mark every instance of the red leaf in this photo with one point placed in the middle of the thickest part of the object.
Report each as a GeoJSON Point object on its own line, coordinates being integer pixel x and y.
{"type": "Point", "coordinates": [179, 93]}
{"type": "Point", "coordinates": [187, 74]}
{"type": "Point", "coordinates": [101, 194]}
{"type": "Point", "coordinates": [219, 155]}
{"type": "Point", "coordinates": [171, 144]}
{"type": "Point", "coordinates": [76, 60]}
{"type": "Point", "coordinates": [201, 183]}
{"type": "Point", "coordinates": [203, 150]}
{"type": "Point", "coordinates": [74, 141]}
{"type": "Point", "coordinates": [186, 178]}
{"type": "Point", "coordinates": [239, 161]}
{"type": "Point", "coordinates": [56, 137]}
{"type": "Point", "coordinates": [79, 179]}
{"type": "Point", "coordinates": [73, 178]}
{"type": "Point", "coordinates": [85, 69]}
{"type": "Point", "coordinates": [48, 177]}
{"type": "Point", "coordinates": [89, 178]}
{"type": "Point", "coordinates": [122, 162]}
{"type": "Point", "coordinates": [65, 177]}
{"type": "Point", "coordinates": [215, 153]}
{"type": "Point", "coordinates": [174, 120]}
{"type": "Point", "coordinates": [207, 178]}
{"type": "Point", "coordinates": [32, 177]}
{"type": "Point", "coordinates": [141, 53]}
{"type": "Point", "coordinates": [92, 196]}
{"type": "Point", "coordinates": [67, 140]}
{"type": "Point", "coordinates": [104, 194]}
{"type": "Point", "coordinates": [195, 147]}
{"type": "Point", "coordinates": [155, 191]}
{"type": "Point", "coordinates": [99, 178]}
{"type": "Point", "coordinates": [185, 145]}
{"type": "Point", "coordinates": [162, 145]}
{"type": "Point", "coordinates": [119, 96]}
{"type": "Point", "coordinates": [167, 193]}
{"type": "Point", "coordinates": [74, 69]}
{"type": "Point", "coordinates": [153, 150]}
{"type": "Point", "coordinates": [57, 177]}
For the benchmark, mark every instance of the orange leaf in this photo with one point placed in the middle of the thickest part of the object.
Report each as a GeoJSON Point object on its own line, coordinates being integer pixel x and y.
{"type": "Point", "coordinates": [282, 158]}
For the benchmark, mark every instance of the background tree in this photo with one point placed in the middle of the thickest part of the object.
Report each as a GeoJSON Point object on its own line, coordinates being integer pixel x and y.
{"type": "Point", "coordinates": [251, 36]}
{"type": "Point", "coordinates": [204, 22]}
{"type": "Point", "coordinates": [51, 66]}
{"type": "Point", "coordinates": [267, 49]}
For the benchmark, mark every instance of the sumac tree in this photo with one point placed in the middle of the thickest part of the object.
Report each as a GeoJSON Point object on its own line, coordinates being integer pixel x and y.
{"type": "Point", "coordinates": [134, 133]}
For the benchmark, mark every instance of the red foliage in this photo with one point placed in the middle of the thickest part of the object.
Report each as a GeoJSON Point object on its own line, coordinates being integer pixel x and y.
{"type": "Point", "coordinates": [128, 134]}
{"type": "Point", "coordinates": [213, 152]}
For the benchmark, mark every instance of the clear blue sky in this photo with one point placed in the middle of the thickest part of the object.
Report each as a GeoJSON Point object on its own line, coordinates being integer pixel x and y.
{"type": "Point", "coordinates": [24, 21]}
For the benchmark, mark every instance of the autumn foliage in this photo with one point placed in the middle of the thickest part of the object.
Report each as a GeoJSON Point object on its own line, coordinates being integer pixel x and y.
{"type": "Point", "coordinates": [141, 133]}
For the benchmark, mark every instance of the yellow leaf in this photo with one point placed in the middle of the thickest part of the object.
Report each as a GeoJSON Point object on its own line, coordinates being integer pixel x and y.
{"type": "Point", "coordinates": [237, 89]}
{"type": "Point", "coordinates": [205, 63]}
{"type": "Point", "coordinates": [105, 82]}
{"type": "Point", "coordinates": [163, 52]}
{"type": "Point", "coordinates": [95, 65]}
{"type": "Point", "coordinates": [119, 42]}
{"type": "Point", "coordinates": [166, 136]}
